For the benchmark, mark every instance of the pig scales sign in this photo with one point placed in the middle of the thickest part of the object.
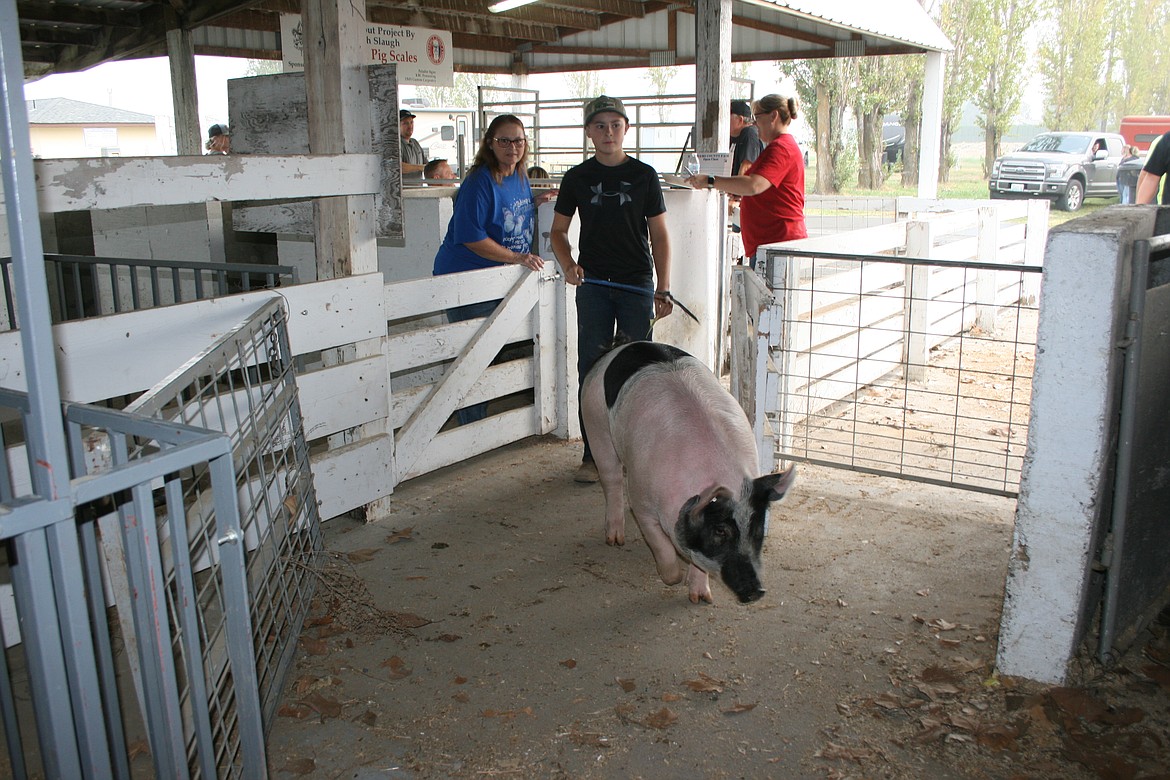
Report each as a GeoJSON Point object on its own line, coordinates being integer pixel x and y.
{"type": "Point", "coordinates": [422, 56]}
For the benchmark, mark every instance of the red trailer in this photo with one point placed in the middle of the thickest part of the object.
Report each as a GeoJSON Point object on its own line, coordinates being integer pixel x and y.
{"type": "Point", "coordinates": [1141, 131]}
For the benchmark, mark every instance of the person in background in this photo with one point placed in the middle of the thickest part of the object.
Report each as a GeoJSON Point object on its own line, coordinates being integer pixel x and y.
{"type": "Point", "coordinates": [413, 156]}
{"type": "Point", "coordinates": [438, 169]}
{"type": "Point", "coordinates": [745, 140]}
{"type": "Point", "coordinates": [773, 187]}
{"type": "Point", "coordinates": [1128, 171]}
{"type": "Point", "coordinates": [536, 172]}
{"type": "Point", "coordinates": [492, 221]}
{"type": "Point", "coordinates": [219, 140]}
{"type": "Point", "coordinates": [623, 240]}
{"type": "Point", "coordinates": [1157, 165]}
{"type": "Point", "coordinates": [745, 148]}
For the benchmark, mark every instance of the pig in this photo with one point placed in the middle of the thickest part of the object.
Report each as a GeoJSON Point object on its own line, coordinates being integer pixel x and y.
{"type": "Point", "coordinates": [690, 465]}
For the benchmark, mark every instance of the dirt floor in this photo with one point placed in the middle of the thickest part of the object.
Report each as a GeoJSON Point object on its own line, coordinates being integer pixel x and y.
{"type": "Point", "coordinates": [486, 630]}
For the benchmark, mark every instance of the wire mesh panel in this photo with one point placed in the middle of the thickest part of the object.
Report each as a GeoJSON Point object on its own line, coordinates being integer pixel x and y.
{"type": "Point", "coordinates": [244, 385]}
{"type": "Point", "coordinates": [64, 656]}
{"type": "Point", "coordinates": [919, 369]}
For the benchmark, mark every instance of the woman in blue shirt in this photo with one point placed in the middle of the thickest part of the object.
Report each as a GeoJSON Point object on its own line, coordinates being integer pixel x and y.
{"type": "Point", "coordinates": [493, 220]}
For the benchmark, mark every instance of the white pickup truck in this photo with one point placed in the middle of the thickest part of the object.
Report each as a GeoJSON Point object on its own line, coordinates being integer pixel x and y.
{"type": "Point", "coordinates": [1063, 167]}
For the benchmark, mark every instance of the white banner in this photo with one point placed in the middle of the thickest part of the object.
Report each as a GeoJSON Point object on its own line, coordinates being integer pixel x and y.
{"type": "Point", "coordinates": [423, 56]}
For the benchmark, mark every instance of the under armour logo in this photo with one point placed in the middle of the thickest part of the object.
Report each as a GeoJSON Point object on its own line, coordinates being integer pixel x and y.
{"type": "Point", "coordinates": [623, 195]}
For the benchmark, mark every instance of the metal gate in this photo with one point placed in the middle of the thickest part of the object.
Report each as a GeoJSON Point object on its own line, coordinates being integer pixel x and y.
{"type": "Point", "coordinates": [1135, 548]}
{"type": "Point", "coordinates": [906, 367]}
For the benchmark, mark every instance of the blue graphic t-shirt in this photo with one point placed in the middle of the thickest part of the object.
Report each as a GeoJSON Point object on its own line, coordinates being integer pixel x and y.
{"type": "Point", "coordinates": [502, 212]}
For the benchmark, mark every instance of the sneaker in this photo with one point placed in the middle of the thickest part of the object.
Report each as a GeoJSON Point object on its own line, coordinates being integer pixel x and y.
{"type": "Point", "coordinates": [586, 473]}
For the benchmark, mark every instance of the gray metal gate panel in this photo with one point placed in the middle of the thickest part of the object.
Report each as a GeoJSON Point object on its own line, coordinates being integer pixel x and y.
{"type": "Point", "coordinates": [896, 366]}
{"type": "Point", "coordinates": [1137, 576]}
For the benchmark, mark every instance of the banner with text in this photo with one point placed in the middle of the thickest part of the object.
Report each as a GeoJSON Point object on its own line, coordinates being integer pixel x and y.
{"type": "Point", "coordinates": [423, 56]}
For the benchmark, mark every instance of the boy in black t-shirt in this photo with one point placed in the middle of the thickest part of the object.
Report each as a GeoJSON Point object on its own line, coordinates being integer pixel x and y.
{"type": "Point", "coordinates": [623, 240]}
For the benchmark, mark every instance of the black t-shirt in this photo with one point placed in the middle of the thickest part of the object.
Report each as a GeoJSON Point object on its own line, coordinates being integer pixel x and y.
{"type": "Point", "coordinates": [1158, 163]}
{"type": "Point", "coordinates": [745, 147]}
{"type": "Point", "coordinates": [614, 203]}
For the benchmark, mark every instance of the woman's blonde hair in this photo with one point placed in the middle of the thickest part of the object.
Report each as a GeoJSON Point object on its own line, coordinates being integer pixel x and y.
{"type": "Point", "coordinates": [769, 103]}
{"type": "Point", "coordinates": [486, 154]}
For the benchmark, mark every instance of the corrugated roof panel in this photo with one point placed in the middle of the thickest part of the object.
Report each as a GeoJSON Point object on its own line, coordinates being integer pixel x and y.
{"type": "Point", "coordinates": [896, 20]}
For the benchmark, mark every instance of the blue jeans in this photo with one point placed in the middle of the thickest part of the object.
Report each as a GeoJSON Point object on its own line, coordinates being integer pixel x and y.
{"type": "Point", "coordinates": [459, 314]}
{"type": "Point", "coordinates": [603, 312]}
{"type": "Point", "coordinates": [1126, 194]}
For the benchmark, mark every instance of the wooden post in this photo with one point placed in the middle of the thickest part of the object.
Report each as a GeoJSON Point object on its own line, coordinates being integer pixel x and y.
{"type": "Point", "coordinates": [916, 351]}
{"type": "Point", "coordinates": [986, 281]}
{"type": "Point", "coordinates": [184, 93]}
{"type": "Point", "coordinates": [712, 75]}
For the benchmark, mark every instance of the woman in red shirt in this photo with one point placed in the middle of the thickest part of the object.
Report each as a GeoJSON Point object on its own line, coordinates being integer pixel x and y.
{"type": "Point", "coordinates": [773, 187]}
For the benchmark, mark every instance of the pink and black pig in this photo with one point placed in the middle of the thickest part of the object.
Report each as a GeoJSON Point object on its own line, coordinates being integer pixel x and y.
{"type": "Point", "coordinates": [690, 464]}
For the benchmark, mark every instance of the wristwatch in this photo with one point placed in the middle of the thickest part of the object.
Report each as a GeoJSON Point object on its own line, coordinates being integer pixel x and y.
{"type": "Point", "coordinates": [710, 181]}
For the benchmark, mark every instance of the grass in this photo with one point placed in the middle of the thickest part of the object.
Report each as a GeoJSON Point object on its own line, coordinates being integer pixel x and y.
{"type": "Point", "coordinates": [965, 182]}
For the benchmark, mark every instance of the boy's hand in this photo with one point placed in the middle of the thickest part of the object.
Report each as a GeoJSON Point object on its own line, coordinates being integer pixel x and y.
{"type": "Point", "coordinates": [574, 274]}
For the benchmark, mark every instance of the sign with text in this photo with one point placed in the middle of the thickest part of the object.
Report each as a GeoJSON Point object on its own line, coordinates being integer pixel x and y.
{"type": "Point", "coordinates": [423, 56]}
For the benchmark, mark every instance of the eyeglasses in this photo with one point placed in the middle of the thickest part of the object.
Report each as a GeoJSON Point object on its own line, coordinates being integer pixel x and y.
{"type": "Point", "coordinates": [510, 141]}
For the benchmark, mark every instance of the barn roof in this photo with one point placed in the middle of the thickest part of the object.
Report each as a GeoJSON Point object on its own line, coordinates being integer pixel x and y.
{"type": "Point", "coordinates": [61, 36]}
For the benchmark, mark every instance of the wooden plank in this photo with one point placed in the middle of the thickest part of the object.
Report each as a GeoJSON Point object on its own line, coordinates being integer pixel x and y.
{"type": "Point", "coordinates": [437, 293]}
{"type": "Point", "coordinates": [92, 354]}
{"type": "Point", "coordinates": [466, 441]}
{"type": "Point", "coordinates": [441, 342]}
{"type": "Point", "coordinates": [117, 182]}
{"type": "Point", "coordinates": [495, 381]}
{"type": "Point", "coordinates": [449, 393]}
{"type": "Point", "coordinates": [353, 475]}
{"type": "Point", "coordinates": [340, 397]}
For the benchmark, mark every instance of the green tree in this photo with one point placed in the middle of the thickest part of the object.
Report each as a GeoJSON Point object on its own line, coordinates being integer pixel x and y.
{"type": "Point", "coordinates": [263, 67]}
{"type": "Point", "coordinates": [960, 20]}
{"type": "Point", "coordinates": [1139, 80]}
{"type": "Point", "coordinates": [879, 80]}
{"type": "Point", "coordinates": [464, 93]}
{"type": "Point", "coordinates": [659, 79]}
{"type": "Point", "coordinates": [585, 84]}
{"type": "Point", "coordinates": [825, 88]}
{"type": "Point", "coordinates": [1071, 64]}
{"type": "Point", "coordinates": [1001, 60]}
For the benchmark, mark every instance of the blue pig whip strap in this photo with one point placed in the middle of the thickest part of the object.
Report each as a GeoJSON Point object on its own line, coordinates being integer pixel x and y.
{"type": "Point", "coordinates": [641, 291]}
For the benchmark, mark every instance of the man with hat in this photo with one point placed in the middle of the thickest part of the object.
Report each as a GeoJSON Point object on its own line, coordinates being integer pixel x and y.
{"type": "Point", "coordinates": [624, 247]}
{"type": "Point", "coordinates": [219, 140]}
{"type": "Point", "coordinates": [414, 159]}
{"type": "Point", "coordinates": [745, 140]}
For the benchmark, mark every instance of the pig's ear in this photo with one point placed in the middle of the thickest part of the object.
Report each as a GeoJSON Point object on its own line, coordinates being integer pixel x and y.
{"type": "Point", "coordinates": [772, 487]}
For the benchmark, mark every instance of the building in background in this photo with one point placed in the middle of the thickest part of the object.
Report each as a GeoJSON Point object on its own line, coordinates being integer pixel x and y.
{"type": "Point", "coordinates": [60, 127]}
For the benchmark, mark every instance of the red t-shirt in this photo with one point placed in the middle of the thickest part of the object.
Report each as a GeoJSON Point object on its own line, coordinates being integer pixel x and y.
{"type": "Point", "coordinates": [777, 213]}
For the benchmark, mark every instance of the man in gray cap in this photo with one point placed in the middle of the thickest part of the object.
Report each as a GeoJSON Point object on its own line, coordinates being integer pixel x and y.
{"type": "Point", "coordinates": [745, 140]}
{"type": "Point", "coordinates": [623, 242]}
{"type": "Point", "coordinates": [413, 156]}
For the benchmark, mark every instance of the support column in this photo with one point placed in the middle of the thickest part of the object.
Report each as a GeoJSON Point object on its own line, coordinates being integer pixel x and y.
{"type": "Point", "coordinates": [184, 93]}
{"type": "Point", "coordinates": [712, 75]}
{"type": "Point", "coordinates": [930, 142]}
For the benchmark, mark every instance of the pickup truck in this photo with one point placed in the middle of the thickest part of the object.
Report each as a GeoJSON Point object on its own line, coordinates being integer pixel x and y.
{"type": "Point", "coordinates": [1063, 167]}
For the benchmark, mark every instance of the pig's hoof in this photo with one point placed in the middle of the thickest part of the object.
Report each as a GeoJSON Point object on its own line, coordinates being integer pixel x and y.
{"type": "Point", "coordinates": [615, 540]}
{"type": "Point", "coordinates": [701, 596]}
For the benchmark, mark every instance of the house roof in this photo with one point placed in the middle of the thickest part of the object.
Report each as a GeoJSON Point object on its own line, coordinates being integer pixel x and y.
{"type": "Point", "coordinates": [544, 36]}
{"type": "Point", "coordinates": [63, 111]}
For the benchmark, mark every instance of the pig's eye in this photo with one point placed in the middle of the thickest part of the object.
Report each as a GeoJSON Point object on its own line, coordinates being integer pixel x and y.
{"type": "Point", "coordinates": [722, 533]}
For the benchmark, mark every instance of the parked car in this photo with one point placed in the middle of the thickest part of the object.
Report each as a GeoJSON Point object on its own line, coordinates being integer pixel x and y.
{"type": "Point", "coordinates": [1063, 167]}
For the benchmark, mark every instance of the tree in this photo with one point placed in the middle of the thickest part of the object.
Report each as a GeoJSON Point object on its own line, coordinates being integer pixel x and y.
{"type": "Point", "coordinates": [825, 89]}
{"type": "Point", "coordinates": [660, 78]}
{"type": "Point", "coordinates": [1001, 60]}
{"type": "Point", "coordinates": [585, 84]}
{"type": "Point", "coordinates": [878, 87]}
{"type": "Point", "coordinates": [1071, 59]}
{"type": "Point", "coordinates": [1140, 55]}
{"type": "Point", "coordinates": [263, 67]}
{"type": "Point", "coordinates": [464, 93]}
{"type": "Point", "coordinates": [960, 20]}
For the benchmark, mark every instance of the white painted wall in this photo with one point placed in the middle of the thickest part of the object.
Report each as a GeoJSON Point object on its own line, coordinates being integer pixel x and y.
{"type": "Point", "coordinates": [1078, 369]}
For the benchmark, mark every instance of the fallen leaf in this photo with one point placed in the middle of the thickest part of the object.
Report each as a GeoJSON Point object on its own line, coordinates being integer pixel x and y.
{"type": "Point", "coordinates": [367, 718]}
{"type": "Point", "coordinates": [460, 680]}
{"type": "Point", "coordinates": [408, 620]}
{"type": "Point", "coordinates": [314, 646]}
{"type": "Point", "coordinates": [842, 602]}
{"type": "Point", "coordinates": [324, 632]}
{"type": "Point", "coordinates": [399, 536]}
{"type": "Point", "coordinates": [998, 737]}
{"type": "Point", "coordinates": [462, 697]}
{"type": "Point", "coordinates": [397, 667]}
{"type": "Point", "coordinates": [588, 739]}
{"type": "Point", "coordinates": [938, 624]}
{"type": "Point", "coordinates": [296, 710]}
{"type": "Point", "coordinates": [888, 701]}
{"type": "Point", "coordinates": [300, 766]}
{"type": "Point", "coordinates": [923, 592]}
{"type": "Point", "coordinates": [448, 637]}
{"type": "Point", "coordinates": [323, 620]}
{"type": "Point", "coordinates": [325, 707]}
{"type": "Point", "coordinates": [307, 682]}
{"type": "Point", "coordinates": [672, 697]}
{"type": "Point", "coordinates": [662, 719]}
{"type": "Point", "coordinates": [705, 684]}
{"type": "Point", "coordinates": [363, 555]}
{"type": "Point", "coordinates": [835, 751]}
{"type": "Point", "coordinates": [737, 708]}
{"type": "Point", "coordinates": [624, 711]}
{"type": "Point", "coordinates": [569, 663]}
{"type": "Point", "coordinates": [938, 674]}
{"type": "Point", "coordinates": [626, 685]}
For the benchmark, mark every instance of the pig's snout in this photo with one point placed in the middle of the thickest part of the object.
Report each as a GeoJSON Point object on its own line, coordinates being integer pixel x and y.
{"type": "Point", "coordinates": [748, 598]}
{"type": "Point", "coordinates": [743, 578]}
